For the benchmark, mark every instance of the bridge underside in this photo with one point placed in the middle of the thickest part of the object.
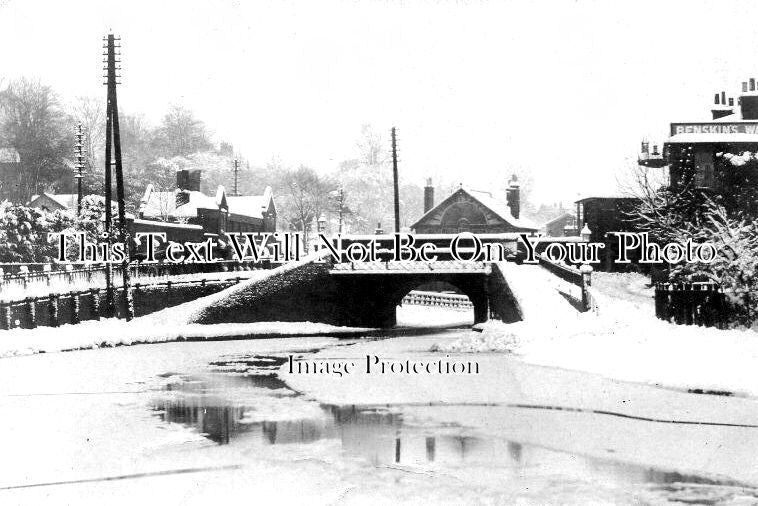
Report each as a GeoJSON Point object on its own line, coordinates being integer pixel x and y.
{"type": "Point", "coordinates": [357, 297]}
{"type": "Point", "coordinates": [376, 296]}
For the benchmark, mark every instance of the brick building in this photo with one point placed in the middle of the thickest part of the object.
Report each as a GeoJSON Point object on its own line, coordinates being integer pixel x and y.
{"type": "Point", "coordinates": [467, 210]}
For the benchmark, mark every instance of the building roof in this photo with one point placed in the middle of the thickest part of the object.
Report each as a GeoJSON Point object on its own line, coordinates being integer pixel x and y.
{"type": "Point", "coordinates": [251, 205]}
{"type": "Point", "coordinates": [163, 203]}
{"type": "Point", "coordinates": [9, 155]}
{"type": "Point", "coordinates": [559, 217]}
{"type": "Point", "coordinates": [606, 197]}
{"type": "Point", "coordinates": [487, 200]}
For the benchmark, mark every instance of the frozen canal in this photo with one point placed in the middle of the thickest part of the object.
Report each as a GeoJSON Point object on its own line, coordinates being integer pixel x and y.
{"type": "Point", "coordinates": [222, 422]}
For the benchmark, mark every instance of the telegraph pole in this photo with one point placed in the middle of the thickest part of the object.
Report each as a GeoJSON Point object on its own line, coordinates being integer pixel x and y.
{"type": "Point", "coordinates": [112, 128]}
{"type": "Point", "coordinates": [236, 173]}
{"type": "Point", "coordinates": [79, 153]}
{"type": "Point", "coordinates": [394, 176]}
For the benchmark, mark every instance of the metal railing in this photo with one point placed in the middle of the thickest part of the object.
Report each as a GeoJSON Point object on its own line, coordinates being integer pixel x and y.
{"type": "Point", "coordinates": [82, 305]}
{"type": "Point", "coordinates": [438, 299]}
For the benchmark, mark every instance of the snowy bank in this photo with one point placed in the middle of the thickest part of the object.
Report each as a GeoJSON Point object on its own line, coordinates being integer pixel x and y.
{"type": "Point", "coordinates": [170, 324]}
{"type": "Point", "coordinates": [114, 332]}
{"type": "Point", "coordinates": [625, 341]}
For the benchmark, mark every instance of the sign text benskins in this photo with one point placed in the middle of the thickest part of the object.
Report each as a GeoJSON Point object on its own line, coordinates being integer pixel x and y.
{"type": "Point", "coordinates": [714, 128]}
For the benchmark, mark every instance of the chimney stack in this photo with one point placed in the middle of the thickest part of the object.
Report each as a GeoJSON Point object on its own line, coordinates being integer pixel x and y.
{"type": "Point", "coordinates": [513, 196]}
{"type": "Point", "coordinates": [720, 108]}
{"type": "Point", "coordinates": [189, 180]}
{"type": "Point", "coordinates": [749, 101]}
{"type": "Point", "coordinates": [428, 196]}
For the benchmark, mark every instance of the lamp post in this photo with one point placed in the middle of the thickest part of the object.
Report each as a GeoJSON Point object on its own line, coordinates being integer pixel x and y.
{"type": "Point", "coordinates": [586, 233]}
{"type": "Point", "coordinates": [321, 224]}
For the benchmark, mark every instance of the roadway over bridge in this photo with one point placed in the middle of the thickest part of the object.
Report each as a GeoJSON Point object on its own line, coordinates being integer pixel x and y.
{"type": "Point", "coordinates": [343, 291]}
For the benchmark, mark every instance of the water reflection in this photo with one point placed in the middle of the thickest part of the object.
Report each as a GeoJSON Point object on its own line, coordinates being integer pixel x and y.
{"type": "Point", "coordinates": [271, 414]}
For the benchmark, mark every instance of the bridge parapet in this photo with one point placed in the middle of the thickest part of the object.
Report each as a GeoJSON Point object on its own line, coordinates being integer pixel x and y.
{"type": "Point", "coordinates": [425, 247]}
{"type": "Point", "coordinates": [411, 267]}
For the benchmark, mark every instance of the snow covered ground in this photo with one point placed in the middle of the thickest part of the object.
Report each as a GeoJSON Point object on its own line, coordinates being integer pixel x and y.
{"type": "Point", "coordinates": [623, 340]}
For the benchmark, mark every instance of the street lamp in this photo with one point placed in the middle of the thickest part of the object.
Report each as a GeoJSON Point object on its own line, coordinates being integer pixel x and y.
{"type": "Point", "coordinates": [586, 233]}
{"type": "Point", "coordinates": [321, 224]}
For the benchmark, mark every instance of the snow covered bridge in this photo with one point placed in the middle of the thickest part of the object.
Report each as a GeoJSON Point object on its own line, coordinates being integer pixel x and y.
{"type": "Point", "coordinates": [366, 293]}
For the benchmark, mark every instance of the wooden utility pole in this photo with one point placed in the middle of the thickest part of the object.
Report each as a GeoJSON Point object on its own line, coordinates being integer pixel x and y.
{"type": "Point", "coordinates": [394, 176]}
{"type": "Point", "coordinates": [236, 174]}
{"type": "Point", "coordinates": [112, 128]}
{"type": "Point", "coordinates": [79, 153]}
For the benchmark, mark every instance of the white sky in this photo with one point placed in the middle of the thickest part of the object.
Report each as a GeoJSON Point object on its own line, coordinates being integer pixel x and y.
{"type": "Point", "coordinates": [564, 89]}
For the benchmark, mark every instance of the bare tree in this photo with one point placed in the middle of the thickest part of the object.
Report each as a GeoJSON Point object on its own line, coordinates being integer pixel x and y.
{"type": "Point", "coordinates": [181, 133]}
{"type": "Point", "coordinates": [306, 197]}
{"type": "Point", "coordinates": [372, 147]}
{"type": "Point", "coordinates": [90, 112]}
{"type": "Point", "coordinates": [35, 125]}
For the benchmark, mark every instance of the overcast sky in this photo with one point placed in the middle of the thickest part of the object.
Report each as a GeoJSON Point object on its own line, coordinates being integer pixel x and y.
{"type": "Point", "coordinates": [563, 89]}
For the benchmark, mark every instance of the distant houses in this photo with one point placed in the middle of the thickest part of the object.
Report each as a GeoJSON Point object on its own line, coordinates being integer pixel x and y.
{"type": "Point", "coordinates": [54, 201]}
{"type": "Point", "coordinates": [217, 214]}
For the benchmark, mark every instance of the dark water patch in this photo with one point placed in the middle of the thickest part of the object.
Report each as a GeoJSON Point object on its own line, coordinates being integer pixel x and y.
{"type": "Point", "coordinates": [701, 391]}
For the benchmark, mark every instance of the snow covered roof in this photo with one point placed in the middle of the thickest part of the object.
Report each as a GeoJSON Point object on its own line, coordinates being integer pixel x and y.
{"type": "Point", "coordinates": [9, 155]}
{"type": "Point", "coordinates": [559, 217]}
{"type": "Point", "coordinates": [488, 201]}
{"type": "Point", "coordinates": [251, 205]}
{"type": "Point", "coordinates": [500, 208]}
{"type": "Point", "coordinates": [610, 196]}
{"type": "Point", "coordinates": [163, 203]}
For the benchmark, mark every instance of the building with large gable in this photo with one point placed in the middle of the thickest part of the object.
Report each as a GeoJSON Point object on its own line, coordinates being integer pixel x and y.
{"type": "Point", "coordinates": [468, 210]}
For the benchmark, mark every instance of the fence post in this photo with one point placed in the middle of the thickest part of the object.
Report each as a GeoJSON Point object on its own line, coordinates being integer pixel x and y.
{"type": "Point", "coordinates": [46, 271]}
{"type": "Point", "coordinates": [6, 322]}
{"type": "Point", "coordinates": [31, 312]}
{"type": "Point", "coordinates": [52, 304]}
{"type": "Point", "coordinates": [24, 272]}
{"type": "Point", "coordinates": [586, 270]}
{"type": "Point", "coordinates": [95, 303]}
{"type": "Point", "coordinates": [75, 308]}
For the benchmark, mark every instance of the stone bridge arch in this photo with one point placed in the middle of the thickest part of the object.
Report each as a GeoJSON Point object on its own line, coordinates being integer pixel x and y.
{"type": "Point", "coordinates": [310, 292]}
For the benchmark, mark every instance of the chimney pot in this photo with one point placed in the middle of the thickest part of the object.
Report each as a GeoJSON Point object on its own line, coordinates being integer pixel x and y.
{"type": "Point", "coordinates": [716, 99]}
{"type": "Point", "coordinates": [513, 197]}
{"type": "Point", "coordinates": [428, 196]}
{"type": "Point", "coordinates": [744, 86]}
{"type": "Point", "coordinates": [731, 102]}
{"type": "Point", "coordinates": [723, 97]}
{"type": "Point", "coordinates": [752, 84]}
